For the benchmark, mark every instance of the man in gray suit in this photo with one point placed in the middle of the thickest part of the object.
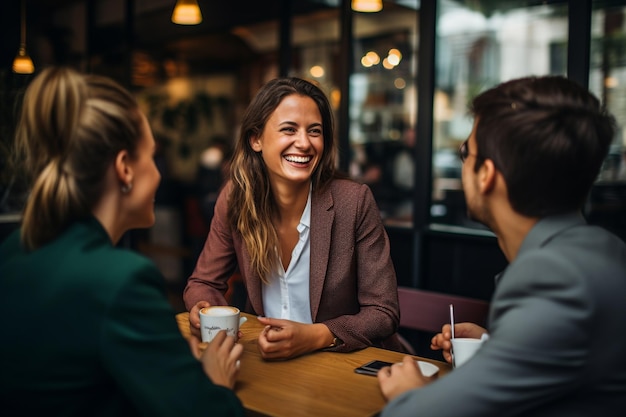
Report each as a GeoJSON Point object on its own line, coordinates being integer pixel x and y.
{"type": "Point", "coordinates": [557, 324]}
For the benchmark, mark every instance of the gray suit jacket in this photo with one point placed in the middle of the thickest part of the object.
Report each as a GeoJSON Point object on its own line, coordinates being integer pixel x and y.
{"type": "Point", "coordinates": [353, 288]}
{"type": "Point", "coordinates": [557, 334]}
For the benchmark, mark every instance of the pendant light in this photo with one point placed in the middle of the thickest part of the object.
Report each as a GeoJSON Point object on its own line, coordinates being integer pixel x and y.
{"type": "Point", "coordinates": [187, 12]}
{"type": "Point", "coordinates": [367, 6]}
{"type": "Point", "coordinates": [22, 64]}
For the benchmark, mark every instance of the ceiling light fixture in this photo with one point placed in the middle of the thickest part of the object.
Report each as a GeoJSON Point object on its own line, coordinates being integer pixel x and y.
{"type": "Point", "coordinates": [187, 12]}
{"type": "Point", "coordinates": [22, 64]}
{"type": "Point", "coordinates": [367, 6]}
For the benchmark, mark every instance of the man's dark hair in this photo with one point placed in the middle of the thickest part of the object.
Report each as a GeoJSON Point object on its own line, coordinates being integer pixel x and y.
{"type": "Point", "coordinates": [548, 136]}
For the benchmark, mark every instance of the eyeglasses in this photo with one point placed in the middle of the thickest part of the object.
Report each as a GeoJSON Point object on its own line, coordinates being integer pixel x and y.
{"type": "Point", "coordinates": [464, 152]}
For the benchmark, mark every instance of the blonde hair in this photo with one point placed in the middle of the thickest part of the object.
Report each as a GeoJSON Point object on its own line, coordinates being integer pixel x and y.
{"type": "Point", "coordinates": [70, 129]}
{"type": "Point", "coordinates": [251, 203]}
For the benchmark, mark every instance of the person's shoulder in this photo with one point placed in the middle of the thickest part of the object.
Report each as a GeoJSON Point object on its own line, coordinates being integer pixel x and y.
{"type": "Point", "coordinates": [93, 250]}
{"type": "Point", "coordinates": [346, 185]}
{"type": "Point", "coordinates": [124, 261]}
{"type": "Point", "coordinates": [599, 233]}
{"type": "Point", "coordinates": [128, 256]}
{"type": "Point", "coordinates": [114, 271]}
{"type": "Point", "coordinates": [593, 240]}
{"type": "Point", "coordinates": [572, 257]}
{"type": "Point", "coordinates": [348, 196]}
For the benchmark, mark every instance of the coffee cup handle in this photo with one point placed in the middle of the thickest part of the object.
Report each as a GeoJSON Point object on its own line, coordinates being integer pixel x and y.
{"type": "Point", "coordinates": [242, 320]}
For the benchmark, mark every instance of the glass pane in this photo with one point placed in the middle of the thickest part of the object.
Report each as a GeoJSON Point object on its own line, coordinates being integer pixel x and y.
{"type": "Point", "coordinates": [607, 79]}
{"type": "Point", "coordinates": [315, 37]}
{"type": "Point", "coordinates": [480, 44]}
{"type": "Point", "coordinates": [383, 105]}
{"type": "Point", "coordinates": [315, 40]}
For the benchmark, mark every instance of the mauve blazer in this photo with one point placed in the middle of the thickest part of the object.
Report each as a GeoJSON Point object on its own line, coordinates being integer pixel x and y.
{"type": "Point", "coordinates": [353, 288]}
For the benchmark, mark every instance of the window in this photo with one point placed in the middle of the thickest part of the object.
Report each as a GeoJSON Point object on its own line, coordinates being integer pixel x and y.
{"type": "Point", "coordinates": [480, 44]}
{"type": "Point", "coordinates": [606, 205]}
{"type": "Point", "coordinates": [383, 105]}
{"type": "Point", "coordinates": [607, 80]}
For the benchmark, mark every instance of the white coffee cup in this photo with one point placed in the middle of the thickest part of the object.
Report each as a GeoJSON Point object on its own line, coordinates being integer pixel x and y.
{"type": "Point", "coordinates": [216, 318]}
{"type": "Point", "coordinates": [463, 348]}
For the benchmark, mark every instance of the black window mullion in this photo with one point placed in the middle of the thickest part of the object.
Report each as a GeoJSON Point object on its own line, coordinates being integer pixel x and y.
{"type": "Point", "coordinates": [424, 132]}
{"type": "Point", "coordinates": [579, 41]}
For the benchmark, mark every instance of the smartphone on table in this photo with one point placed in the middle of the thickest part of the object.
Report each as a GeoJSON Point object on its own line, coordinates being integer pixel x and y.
{"type": "Point", "coordinates": [372, 367]}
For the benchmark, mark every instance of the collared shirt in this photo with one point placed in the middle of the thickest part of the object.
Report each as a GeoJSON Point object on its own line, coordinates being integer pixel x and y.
{"type": "Point", "coordinates": [287, 294]}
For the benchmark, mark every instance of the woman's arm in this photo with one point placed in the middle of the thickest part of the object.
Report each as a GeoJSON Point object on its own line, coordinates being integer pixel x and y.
{"type": "Point", "coordinates": [217, 261]}
{"type": "Point", "coordinates": [369, 271]}
{"type": "Point", "coordinates": [139, 332]}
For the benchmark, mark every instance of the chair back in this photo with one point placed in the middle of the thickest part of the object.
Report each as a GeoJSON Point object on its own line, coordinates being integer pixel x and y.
{"type": "Point", "coordinates": [428, 311]}
{"type": "Point", "coordinates": [425, 312]}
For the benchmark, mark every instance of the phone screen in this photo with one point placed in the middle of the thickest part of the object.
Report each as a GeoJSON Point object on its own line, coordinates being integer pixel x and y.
{"type": "Point", "coordinates": [372, 367]}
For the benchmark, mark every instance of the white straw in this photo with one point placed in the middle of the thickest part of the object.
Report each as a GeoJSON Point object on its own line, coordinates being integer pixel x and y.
{"type": "Point", "coordinates": [452, 334]}
{"type": "Point", "coordinates": [452, 320]}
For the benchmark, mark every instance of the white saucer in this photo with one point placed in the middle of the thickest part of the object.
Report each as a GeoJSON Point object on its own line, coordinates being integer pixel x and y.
{"type": "Point", "coordinates": [427, 368]}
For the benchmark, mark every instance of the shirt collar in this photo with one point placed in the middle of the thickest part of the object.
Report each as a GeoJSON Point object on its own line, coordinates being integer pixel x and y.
{"type": "Point", "coordinates": [548, 227]}
{"type": "Point", "coordinates": [305, 220]}
{"type": "Point", "coordinates": [544, 230]}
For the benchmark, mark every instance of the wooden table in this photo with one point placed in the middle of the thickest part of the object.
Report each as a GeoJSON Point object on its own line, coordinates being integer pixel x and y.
{"type": "Point", "coordinates": [318, 384]}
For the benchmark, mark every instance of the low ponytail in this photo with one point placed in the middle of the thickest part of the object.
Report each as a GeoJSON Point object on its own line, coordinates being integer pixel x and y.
{"type": "Point", "coordinates": [70, 129]}
{"type": "Point", "coordinates": [50, 206]}
{"type": "Point", "coordinates": [50, 116]}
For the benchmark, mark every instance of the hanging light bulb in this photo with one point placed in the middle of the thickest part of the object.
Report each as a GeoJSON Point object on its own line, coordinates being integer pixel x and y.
{"type": "Point", "coordinates": [187, 12]}
{"type": "Point", "coordinates": [367, 6]}
{"type": "Point", "coordinates": [22, 64]}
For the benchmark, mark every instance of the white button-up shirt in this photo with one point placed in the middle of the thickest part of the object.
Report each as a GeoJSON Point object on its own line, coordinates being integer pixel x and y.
{"type": "Point", "coordinates": [287, 294]}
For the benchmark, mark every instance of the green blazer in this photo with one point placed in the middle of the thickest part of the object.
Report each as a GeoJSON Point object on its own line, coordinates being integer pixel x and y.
{"type": "Point", "coordinates": [86, 330]}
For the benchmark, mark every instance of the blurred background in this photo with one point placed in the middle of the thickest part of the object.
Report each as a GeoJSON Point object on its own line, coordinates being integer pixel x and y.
{"type": "Point", "coordinates": [399, 80]}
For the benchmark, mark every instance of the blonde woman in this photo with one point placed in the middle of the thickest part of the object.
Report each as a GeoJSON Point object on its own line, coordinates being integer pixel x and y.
{"type": "Point", "coordinates": [86, 327]}
{"type": "Point", "coordinates": [310, 246]}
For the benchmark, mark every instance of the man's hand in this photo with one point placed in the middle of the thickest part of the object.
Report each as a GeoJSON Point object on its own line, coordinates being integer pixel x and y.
{"type": "Point", "coordinates": [400, 377]}
{"type": "Point", "coordinates": [442, 340]}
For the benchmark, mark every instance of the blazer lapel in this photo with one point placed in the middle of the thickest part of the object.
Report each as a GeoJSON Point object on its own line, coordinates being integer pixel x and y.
{"type": "Point", "coordinates": [322, 216]}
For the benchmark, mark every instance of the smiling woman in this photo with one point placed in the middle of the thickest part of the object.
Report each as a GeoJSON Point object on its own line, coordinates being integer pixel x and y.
{"type": "Point", "coordinates": [291, 144]}
{"type": "Point", "coordinates": [302, 236]}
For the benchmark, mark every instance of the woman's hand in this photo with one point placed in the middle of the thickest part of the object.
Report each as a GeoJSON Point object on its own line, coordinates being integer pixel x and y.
{"type": "Point", "coordinates": [284, 339]}
{"type": "Point", "coordinates": [401, 377]}
{"type": "Point", "coordinates": [194, 317]}
{"type": "Point", "coordinates": [442, 340]}
{"type": "Point", "coordinates": [220, 360]}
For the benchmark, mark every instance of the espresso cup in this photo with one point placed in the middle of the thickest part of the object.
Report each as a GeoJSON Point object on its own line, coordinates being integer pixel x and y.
{"type": "Point", "coordinates": [463, 349]}
{"type": "Point", "coordinates": [216, 318]}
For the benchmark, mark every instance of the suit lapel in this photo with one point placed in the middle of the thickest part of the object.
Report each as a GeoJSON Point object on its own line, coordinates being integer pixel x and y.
{"type": "Point", "coordinates": [322, 216]}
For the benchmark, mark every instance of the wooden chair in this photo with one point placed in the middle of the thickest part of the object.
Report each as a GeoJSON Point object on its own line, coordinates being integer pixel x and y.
{"type": "Point", "coordinates": [427, 311]}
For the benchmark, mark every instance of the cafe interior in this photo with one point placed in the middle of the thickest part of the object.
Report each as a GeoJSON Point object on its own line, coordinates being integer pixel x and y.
{"type": "Point", "coordinates": [398, 73]}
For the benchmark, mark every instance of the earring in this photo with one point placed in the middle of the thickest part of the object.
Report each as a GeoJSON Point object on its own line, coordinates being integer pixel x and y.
{"type": "Point", "coordinates": [127, 187]}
